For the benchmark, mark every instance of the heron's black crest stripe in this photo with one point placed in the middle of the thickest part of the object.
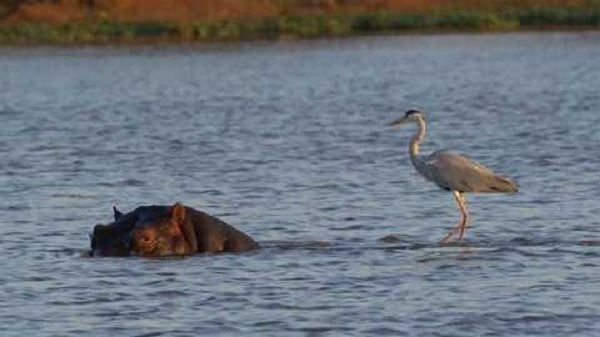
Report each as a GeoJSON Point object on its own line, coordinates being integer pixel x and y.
{"type": "Point", "coordinates": [412, 112]}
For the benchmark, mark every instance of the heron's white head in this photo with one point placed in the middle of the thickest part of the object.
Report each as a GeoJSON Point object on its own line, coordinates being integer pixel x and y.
{"type": "Point", "coordinates": [410, 116]}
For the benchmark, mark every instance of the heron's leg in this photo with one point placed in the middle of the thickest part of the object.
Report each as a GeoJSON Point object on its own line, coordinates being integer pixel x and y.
{"type": "Point", "coordinates": [465, 215]}
{"type": "Point", "coordinates": [454, 230]}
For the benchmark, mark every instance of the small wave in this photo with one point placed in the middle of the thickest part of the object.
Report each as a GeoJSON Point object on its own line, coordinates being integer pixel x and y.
{"type": "Point", "coordinates": [73, 196]}
{"type": "Point", "coordinates": [282, 306]}
{"type": "Point", "coordinates": [167, 294]}
{"type": "Point", "coordinates": [317, 331]}
{"type": "Point", "coordinates": [267, 323]}
{"type": "Point", "coordinates": [123, 183]}
{"type": "Point", "coordinates": [287, 245]}
{"type": "Point", "coordinates": [72, 252]}
{"type": "Point", "coordinates": [5, 111]}
{"type": "Point", "coordinates": [391, 239]}
{"type": "Point", "coordinates": [16, 208]}
{"type": "Point", "coordinates": [151, 334]}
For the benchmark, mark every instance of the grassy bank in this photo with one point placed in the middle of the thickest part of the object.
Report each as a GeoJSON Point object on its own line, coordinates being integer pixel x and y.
{"type": "Point", "coordinates": [300, 26]}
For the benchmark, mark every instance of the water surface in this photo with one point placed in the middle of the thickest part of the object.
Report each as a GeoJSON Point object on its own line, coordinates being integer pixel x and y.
{"type": "Point", "coordinates": [287, 141]}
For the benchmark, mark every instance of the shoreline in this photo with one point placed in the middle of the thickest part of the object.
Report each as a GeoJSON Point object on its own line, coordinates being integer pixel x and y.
{"type": "Point", "coordinates": [174, 42]}
{"type": "Point", "coordinates": [103, 32]}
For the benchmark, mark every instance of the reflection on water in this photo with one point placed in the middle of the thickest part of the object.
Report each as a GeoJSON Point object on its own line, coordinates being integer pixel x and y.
{"type": "Point", "coordinates": [287, 141]}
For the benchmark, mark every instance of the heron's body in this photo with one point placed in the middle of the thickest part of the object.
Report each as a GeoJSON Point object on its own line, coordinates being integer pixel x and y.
{"type": "Point", "coordinates": [456, 172]}
{"type": "Point", "coordinates": [453, 172]}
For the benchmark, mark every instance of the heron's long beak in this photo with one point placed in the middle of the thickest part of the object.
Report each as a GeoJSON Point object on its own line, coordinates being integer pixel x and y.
{"type": "Point", "coordinates": [398, 121]}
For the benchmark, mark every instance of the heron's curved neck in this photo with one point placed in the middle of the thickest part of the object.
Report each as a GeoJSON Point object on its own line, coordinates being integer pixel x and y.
{"type": "Point", "coordinates": [413, 147]}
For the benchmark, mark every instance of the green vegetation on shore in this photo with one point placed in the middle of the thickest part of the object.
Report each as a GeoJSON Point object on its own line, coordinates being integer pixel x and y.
{"type": "Point", "coordinates": [300, 26]}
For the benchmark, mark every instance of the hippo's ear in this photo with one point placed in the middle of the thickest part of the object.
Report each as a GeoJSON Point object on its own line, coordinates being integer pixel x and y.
{"type": "Point", "coordinates": [118, 214]}
{"type": "Point", "coordinates": [186, 226]}
{"type": "Point", "coordinates": [178, 212]}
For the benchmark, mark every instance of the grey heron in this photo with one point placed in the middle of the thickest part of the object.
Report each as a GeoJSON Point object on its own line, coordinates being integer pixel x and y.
{"type": "Point", "coordinates": [453, 172]}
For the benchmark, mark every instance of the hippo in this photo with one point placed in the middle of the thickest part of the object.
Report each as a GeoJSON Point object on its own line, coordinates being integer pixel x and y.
{"type": "Point", "coordinates": [157, 231]}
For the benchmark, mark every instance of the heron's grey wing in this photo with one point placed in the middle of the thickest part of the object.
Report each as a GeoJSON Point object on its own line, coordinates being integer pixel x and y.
{"type": "Point", "coordinates": [454, 171]}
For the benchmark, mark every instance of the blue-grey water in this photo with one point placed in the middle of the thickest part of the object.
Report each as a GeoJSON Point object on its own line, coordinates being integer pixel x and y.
{"type": "Point", "coordinates": [288, 142]}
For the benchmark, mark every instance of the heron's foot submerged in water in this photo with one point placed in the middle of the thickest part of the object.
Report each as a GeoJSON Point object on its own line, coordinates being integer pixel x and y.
{"type": "Point", "coordinates": [449, 237]}
{"type": "Point", "coordinates": [461, 227]}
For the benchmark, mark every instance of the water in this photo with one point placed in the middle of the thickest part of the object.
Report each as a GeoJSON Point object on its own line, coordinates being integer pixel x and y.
{"type": "Point", "coordinates": [287, 141]}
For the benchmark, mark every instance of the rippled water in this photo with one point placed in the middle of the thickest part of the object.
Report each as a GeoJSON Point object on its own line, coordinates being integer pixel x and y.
{"type": "Point", "coordinates": [287, 141]}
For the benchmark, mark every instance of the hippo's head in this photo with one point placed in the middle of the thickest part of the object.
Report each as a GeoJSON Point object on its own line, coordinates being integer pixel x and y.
{"type": "Point", "coordinates": [113, 239]}
{"type": "Point", "coordinates": [163, 234]}
{"type": "Point", "coordinates": [110, 241]}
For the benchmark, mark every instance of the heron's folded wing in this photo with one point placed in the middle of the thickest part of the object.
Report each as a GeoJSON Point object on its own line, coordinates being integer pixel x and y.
{"type": "Point", "coordinates": [457, 172]}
